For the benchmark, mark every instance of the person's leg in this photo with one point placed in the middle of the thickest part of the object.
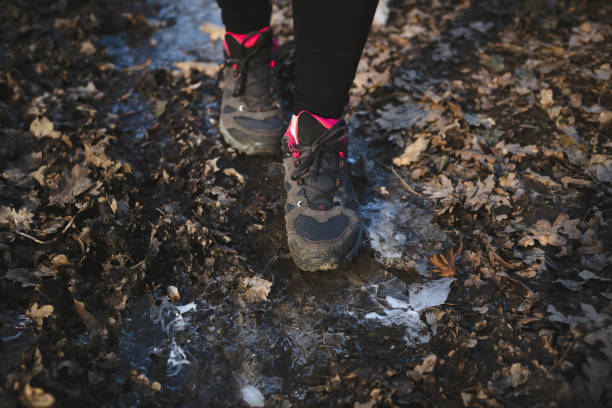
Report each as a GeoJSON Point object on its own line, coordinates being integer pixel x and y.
{"type": "Point", "coordinates": [321, 211]}
{"type": "Point", "coordinates": [251, 118]}
{"type": "Point", "coordinates": [329, 39]}
{"type": "Point", "coordinates": [245, 16]}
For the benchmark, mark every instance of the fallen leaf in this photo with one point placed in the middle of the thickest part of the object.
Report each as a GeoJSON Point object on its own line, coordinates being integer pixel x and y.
{"type": "Point", "coordinates": [207, 68]}
{"type": "Point", "coordinates": [546, 97]}
{"type": "Point", "coordinates": [478, 120]}
{"type": "Point", "coordinates": [173, 293]}
{"type": "Point", "coordinates": [258, 289]}
{"type": "Point", "coordinates": [518, 374]}
{"type": "Point", "coordinates": [588, 275]}
{"type": "Point", "coordinates": [516, 149]}
{"type": "Point", "coordinates": [93, 325]}
{"type": "Point", "coordinates": [427, 366]}
{"type": "Point", "coordinates": [214, 31]}
{"type": "Point", "coordinates": [446, 267]}
{"type": "Point", "coordinates": [566, 181]}
{"type": "Point", "coordinates": [20, 220]}
{"type": "Point", "coordinates": [32, 397]}
{"type": "Point", "coordinates": [39, 314]}
{"type": "Point", "coordinates": [160, 108]}
{"type": "Point", "coordinates": [233, 173]}
{"type": "Point", "coordinates": [545, 180]}
{"type": "Point", "coordinates": [72, 185]}
{"type": "Point", "coordinates": [477, 195]}
{"type": "Point", "coordinates": [412, 151]}
{"type": "Point", "coordinates": [43, 127]}
{"type": "Point", "coordinates": [600, 167]}
{"type": "Point", "coordinates": [139, 67]}
{"type": "Point", "coordinates": [59, 261]}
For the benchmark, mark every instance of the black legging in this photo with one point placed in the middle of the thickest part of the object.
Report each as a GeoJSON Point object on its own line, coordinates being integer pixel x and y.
{"type": "Point", "coordinates": [329, 38]}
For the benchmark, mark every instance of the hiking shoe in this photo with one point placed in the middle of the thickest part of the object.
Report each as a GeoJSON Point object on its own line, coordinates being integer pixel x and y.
{"type": "Point", "coordinates": [251, 117]}
{"type": "Point", "coordinates": [321, 211]}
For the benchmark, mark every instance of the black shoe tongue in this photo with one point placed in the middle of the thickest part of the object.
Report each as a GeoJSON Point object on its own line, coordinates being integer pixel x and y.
{"type": "Point", "coordinates": [236, 50]}
{"type": "Point", "coordinates": [308, 129]}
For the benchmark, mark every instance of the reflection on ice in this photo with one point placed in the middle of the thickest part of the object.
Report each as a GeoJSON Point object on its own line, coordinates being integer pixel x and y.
{"type": "Point", "coordinates": [385, 219]}
{"type": "Point", "coordinates": [407, 313]}
{"type": "Point", "coordinates": [173, 319]}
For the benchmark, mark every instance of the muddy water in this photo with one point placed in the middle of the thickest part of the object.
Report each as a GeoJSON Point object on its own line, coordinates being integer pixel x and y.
{"type": "Point", "coordinates": [234, 352]}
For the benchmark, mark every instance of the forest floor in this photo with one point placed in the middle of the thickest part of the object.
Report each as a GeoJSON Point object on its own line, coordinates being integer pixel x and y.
{"type": "Point", "coordinates": [481, 150]}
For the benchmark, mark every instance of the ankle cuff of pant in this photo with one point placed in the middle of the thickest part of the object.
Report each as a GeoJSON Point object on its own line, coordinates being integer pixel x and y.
{"type": "Point", "coordinates": [324, 107]}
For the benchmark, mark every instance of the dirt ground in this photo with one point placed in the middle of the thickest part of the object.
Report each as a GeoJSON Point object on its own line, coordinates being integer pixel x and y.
{"type": "Point", "coordinates": [482, 154]}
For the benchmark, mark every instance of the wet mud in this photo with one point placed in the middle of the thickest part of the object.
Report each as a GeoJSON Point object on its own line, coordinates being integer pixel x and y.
{"type": "Point", "coordinates": [116, 185]}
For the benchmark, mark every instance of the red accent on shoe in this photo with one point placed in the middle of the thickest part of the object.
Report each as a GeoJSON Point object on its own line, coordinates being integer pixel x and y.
{"type": "Point", "coordinates": [250, 41]}
{"type": "Point", "coordinates": [292, 130]}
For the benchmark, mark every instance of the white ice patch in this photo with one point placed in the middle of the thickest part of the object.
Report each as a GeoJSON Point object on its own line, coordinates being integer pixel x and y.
{"type": "Point", "coordinates": [408, 313]}
{"type": "Point", "coordinates": [173, 319]}
{"type": "Point", "coordinates": [252, 396]}
{"type": "Point", "coordinates": [384, 218]}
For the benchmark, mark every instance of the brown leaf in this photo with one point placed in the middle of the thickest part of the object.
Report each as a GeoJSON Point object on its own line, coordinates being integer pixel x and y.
{"type": "Point", "coordinates": [258, 288]}
{"type": "Point", "coordinates": [59, 261]}
{"type": "Point", "coordinates": [215, 32]}
{"type": "Point", "coordinates": [207, 68]}
{"type": "Point", "coordinates": [43, 127]}
{"type": "Point", "coordinates": [38, 314]}
{"type": "Point", "coordinates": [33, 397]}
{"type": "Point", "coordinates": [412, 151]}
{"type": "Point", "coordinates": [93, 325]}
{"type": "Point", "coordinates": [446, 267]}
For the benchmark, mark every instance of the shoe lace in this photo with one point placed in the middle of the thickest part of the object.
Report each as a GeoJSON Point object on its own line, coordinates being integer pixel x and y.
{"type": "Point", "coordinates": [242, 64]}
{"type": "Point", "coordinates": [310, 160]}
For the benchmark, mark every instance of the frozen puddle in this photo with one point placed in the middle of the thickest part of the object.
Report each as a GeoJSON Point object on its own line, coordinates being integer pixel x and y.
{"type": "Point", "coordinates": [173, 319]}
{"type": "Point", "coordinates": [407, 312]}
{"type": "Point", "coordinates": [177, 37]}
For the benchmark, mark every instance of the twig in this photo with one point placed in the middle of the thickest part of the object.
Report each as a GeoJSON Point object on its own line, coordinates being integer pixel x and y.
{"type": "Point", "coordinates": [505, 275]}
{"type": "Point", "coordinates": [404, 183]}
{"type": "Point", "coordinates": [571, 346]}
{"type": "Point", "coordinates": [38, 241]}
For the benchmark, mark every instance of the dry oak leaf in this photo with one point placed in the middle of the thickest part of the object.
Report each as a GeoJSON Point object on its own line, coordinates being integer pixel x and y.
{"type": "Point", "coordinates": [16, 219]}
{"type": "Point", "coordinates": [38, 314]}
{"type": "Point", "coordinates": [549, 234]}
{"type": "Point", "coordinates": [412, 151]}
{"type": "Point", "coordinates": [214, 31]}
{"type": "Point", "coordinates": [33, 397]}
{"type": "Point", "coordinates": [207, 68]}
{"type": "Point", "coordinates": [444, 266]}
{"type": "Point", "coordinates": [43, 127]}
{"type": "Point", "coordinates": [258, 289]}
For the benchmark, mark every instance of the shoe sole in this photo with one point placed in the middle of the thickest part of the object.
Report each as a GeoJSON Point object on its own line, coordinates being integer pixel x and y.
{"type": "Point", "coordinates": [255, 149]}
{"type": "Point", "coordinates": [329, 264]}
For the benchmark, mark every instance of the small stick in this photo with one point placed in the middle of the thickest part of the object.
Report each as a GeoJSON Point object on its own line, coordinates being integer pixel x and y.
{"type": "Point", "coordinates": [38, 241]}
{"type": "Point", "coordinates": [404, 183]}
{"type": "Point", "coordinates": [571, 346]}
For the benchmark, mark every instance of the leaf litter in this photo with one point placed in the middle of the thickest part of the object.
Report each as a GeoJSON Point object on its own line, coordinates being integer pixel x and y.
{"type": "Point", "coordinates": [115, 184]}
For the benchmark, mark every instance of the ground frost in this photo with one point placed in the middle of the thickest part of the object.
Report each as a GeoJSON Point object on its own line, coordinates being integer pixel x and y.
{"type": "Point", "coordinates": [173, 319]}
{"type": "Point", "coordinates": [411, 313]}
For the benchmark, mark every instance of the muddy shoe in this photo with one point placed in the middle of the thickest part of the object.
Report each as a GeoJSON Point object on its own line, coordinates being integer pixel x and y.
{"type": "Point", "coordinates": [321, 212]}
{"type": "Point", "coordinates": [251, 116]}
